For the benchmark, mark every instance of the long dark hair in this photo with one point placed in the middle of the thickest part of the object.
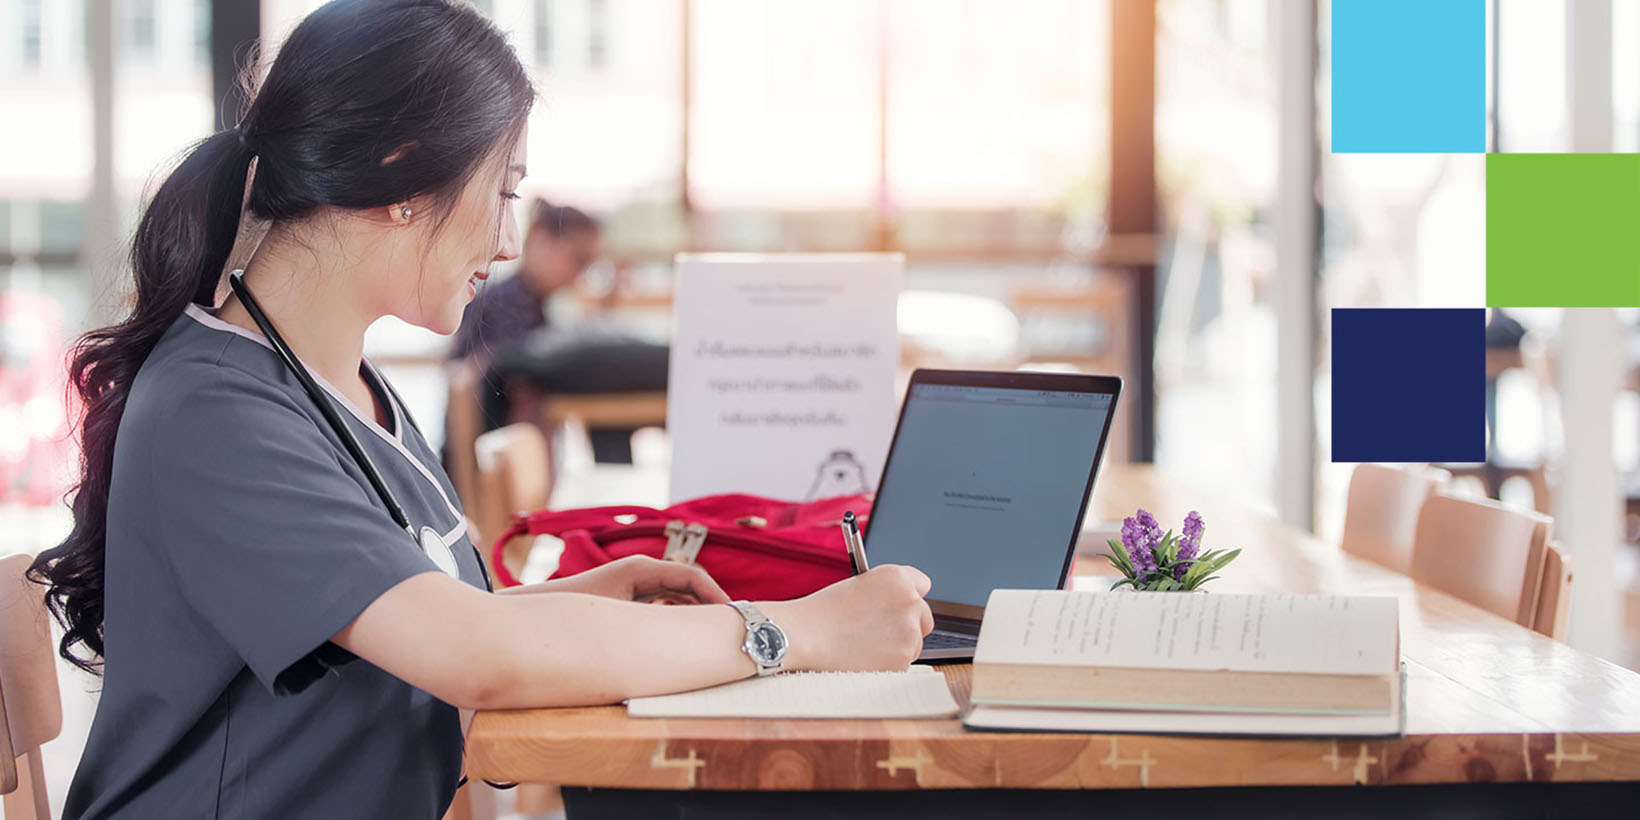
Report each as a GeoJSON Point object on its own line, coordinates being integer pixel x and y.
{"type": "Point", "coordinates": [355, 82]}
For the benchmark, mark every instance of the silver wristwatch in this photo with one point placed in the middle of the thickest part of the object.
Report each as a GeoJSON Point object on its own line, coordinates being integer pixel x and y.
{"type": "Point", "coordinates": [765, 643]}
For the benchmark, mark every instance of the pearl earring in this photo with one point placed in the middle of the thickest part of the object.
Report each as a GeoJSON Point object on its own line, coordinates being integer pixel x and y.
{"type": "Point", "coordinates": [405, 212]}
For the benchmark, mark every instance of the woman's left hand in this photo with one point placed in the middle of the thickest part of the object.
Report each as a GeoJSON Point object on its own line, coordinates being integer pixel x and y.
{"type": "Point", "coordinates": [640, 578]}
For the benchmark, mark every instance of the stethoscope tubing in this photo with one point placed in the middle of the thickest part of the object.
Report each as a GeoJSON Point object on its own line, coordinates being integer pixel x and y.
{"type": "Point", "coordinates": [320, 400]}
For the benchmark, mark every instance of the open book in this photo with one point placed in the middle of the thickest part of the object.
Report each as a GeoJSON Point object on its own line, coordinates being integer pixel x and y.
{"type": "Point", "coordinates": [919, 692]}
{"type": "Point", "coordinates": [1188, 663]}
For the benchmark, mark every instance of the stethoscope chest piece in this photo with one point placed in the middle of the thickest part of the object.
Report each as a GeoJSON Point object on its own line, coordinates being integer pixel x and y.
{"type": "Point", "coordinates": [440, 552]}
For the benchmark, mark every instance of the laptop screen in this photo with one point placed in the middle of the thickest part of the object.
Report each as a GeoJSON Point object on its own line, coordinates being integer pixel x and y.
{"type": "Point", "coordinates": [984, 486]}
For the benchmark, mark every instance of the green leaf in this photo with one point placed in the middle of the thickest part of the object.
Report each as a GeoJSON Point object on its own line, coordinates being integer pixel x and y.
{"type": "Point", "coordinates": [1203, 581]}
{"type": "Point", "coordinates": [1169, 548]}
{"type": "Point", "coordinates": [1167, 585]}
{"type": "Point", "coordinates": [1199, 566]}
{"type": "Point", "coordinates": [1119, 556]}
{"type": "Point", "coordinates": [1128, 581]}
{"type": "Point", "coordinates": [1190, 570]}
{"type": "Point", "coordinates": [1225, 559]}
{"type": "Point", "coordinates": [1121, 566]}
{"type": "Point", "coordinates": [1207, 564]}
{"type": "Point", "coordinates": [1218, 561]}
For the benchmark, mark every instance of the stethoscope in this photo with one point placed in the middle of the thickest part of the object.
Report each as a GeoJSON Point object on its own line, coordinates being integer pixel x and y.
{"type": "Point", "coordinates": [428, 540]}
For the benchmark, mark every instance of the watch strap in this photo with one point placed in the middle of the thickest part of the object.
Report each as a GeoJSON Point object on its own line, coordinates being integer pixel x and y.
{"type": "Point", "coordinates": [750, 612]}
{"type": "Point", "coordinates": [754, 619]}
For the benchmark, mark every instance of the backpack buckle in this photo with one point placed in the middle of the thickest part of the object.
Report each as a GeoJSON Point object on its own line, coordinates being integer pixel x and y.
{"type": "Point", "coordinates": [683, 541]}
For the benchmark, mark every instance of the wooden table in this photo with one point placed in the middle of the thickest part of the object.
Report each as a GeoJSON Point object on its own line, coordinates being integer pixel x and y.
{"type": "Point", "coordinates": [1487, 702]}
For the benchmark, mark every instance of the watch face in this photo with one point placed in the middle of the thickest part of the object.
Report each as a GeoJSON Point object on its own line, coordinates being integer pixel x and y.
{"type": "Point", "coordinates": [767, 643]}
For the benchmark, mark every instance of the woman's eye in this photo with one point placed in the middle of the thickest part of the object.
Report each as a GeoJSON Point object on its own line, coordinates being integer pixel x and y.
{"type": "Point", "coordinates": [510, 194]}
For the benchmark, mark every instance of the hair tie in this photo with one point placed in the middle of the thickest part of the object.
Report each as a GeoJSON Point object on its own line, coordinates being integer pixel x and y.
{"type": "Point", "coordinates": [243, 144]}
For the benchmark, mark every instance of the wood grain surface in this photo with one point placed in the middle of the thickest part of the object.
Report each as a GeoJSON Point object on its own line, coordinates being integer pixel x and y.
{"type": "Point", "coordinates": [1487, 700]}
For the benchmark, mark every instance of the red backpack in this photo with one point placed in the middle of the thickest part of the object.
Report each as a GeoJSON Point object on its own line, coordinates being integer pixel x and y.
{"type": "Point", "coordinates": [760, 549]}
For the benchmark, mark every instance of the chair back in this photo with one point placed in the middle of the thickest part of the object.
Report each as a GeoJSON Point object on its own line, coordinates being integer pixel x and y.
{"type": "Point", "coordinates": [607, 410]}
{"type": "Point", "coordinates": [1554, 606]}
{"type": "Point", "coordinates": [1381, 514]}
{"type": "Point", "coordinates": [1483, 552]}
{"type": "Point", "coordinates": [463, 421]}
{"type": "Point", "coordinates": [514, 475]}
{"type": "Point", "coordinates": [31, 709]}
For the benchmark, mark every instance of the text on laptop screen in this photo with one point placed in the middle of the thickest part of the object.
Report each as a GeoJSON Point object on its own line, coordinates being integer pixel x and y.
{"type": "Point", "coordinates": [984, 485]}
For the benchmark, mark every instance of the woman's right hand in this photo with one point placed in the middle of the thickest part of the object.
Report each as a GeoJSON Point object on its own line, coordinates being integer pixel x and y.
{"type": "Point", "coordinates": [876, 620]}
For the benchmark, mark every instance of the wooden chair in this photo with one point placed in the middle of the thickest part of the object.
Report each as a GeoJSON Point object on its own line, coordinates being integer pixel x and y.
{"type": "Point", "coordinates": [514, 475]}
{"type": "Point", "coordinates": [463, 421]}
{"type": "Point", "coordinates": [1533, 360]}
{"type": "Point", "coordinates": [606, 410]}
{"type": "Point", "coordinates": [31, 709]}
{"type": "Point", "coordinates": [1554, 604]}
{"type": "Point", "coordinates": [1381, 514]}
{"type": "Point", "coordinates": [1483, 552]}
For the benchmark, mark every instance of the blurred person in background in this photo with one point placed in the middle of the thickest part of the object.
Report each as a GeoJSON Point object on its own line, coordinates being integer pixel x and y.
{"type": "Point", "coordinates": [521, 357]}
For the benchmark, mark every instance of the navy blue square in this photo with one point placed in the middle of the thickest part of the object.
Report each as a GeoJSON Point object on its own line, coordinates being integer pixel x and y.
{"type": "Point", "coordinates": [1408, 384]}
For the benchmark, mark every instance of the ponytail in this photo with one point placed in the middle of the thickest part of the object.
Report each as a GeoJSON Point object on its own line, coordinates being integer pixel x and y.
{"type": "Point", "coordinates": [181, 245]}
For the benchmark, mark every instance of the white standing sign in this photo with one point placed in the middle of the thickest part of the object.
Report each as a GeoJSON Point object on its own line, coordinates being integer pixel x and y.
{"type": "Point", "coordinates": [782, 376]}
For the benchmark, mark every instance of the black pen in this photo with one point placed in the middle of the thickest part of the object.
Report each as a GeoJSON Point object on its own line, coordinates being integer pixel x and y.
{"type": "Point", "coordinates": [856, 547]}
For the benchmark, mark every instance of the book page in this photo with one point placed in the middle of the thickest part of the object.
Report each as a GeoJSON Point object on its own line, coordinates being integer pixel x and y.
{"type": "Point", "coordinates": [1185, 723]}
{"type": "Point", "coordinates": [1390, 723]}
{"type": "Point", "coordinates": [919, 692]}
{"type": "Point", "coordinates": [1317, 634]}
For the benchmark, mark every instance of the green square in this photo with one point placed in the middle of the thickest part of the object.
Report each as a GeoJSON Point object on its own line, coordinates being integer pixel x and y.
{"type": "Point", "coordinates": [1563, 230]}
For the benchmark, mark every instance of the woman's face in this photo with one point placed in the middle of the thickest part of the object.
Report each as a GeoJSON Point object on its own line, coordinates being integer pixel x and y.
{"type": "Point", "coordinates": [481, 229]}
{"type": "Point", "coordinates": [553, 262]}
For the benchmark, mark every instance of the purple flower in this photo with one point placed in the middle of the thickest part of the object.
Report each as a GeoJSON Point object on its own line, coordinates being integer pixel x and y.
{"type": "Point", "coordinates": [1190, 542]}
{"type": "Point", "coordinates": [1141, 534]}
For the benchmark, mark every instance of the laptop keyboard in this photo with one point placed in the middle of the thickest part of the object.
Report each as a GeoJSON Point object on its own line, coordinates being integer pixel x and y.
{"type": "Point", "coordinates": [948, 640]}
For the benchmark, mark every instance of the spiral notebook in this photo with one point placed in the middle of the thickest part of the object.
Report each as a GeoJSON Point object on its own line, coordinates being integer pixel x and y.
{"type": "Point", "coordinates": [919, 692]}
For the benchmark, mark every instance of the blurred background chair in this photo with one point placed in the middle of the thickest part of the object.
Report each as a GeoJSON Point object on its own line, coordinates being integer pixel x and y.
{"type": "Point", "coordinates": [1483, 552]}
{"type": "Point", "coordinates": [463, 422]}
{"type": "Point", "coordinates": [606, 411]}
{"type": "Point", "coordinates": [513, 477]}
{"type": "Point", "coordinates": [1518, 362]}
{"type": "Point", "coordinates": [31, 709]}
{"type": "Point", "coordinates": [1381, 514]}
{"type": "Point", "coordinates": [1554, 605]}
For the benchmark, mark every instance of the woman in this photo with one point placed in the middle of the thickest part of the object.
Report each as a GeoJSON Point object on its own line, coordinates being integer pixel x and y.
{"type": "Point", "coordinates": [272, 639]}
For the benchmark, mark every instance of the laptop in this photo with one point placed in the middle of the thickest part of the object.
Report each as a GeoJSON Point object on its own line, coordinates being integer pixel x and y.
{"type": "Point", "coordinates": [985, 487]}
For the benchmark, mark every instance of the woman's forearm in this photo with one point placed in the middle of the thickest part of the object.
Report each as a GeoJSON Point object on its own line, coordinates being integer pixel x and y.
{"type": "Point", "coordinates": [482, 651]}
{"type": "Point", "coordinates": [569, 649]}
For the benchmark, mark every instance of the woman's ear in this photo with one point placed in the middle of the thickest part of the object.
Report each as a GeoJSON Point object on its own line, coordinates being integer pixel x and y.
{"type": "Point", "coordinates": [400, 213]}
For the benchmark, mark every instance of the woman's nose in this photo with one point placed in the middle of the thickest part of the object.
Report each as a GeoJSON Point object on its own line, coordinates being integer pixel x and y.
{"type": "Point", "coordinates": [510, 241]}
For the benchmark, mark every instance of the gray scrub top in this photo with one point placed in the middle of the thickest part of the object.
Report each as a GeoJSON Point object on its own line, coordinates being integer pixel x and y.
{"type": "Point", "coordinates": [241, 536]}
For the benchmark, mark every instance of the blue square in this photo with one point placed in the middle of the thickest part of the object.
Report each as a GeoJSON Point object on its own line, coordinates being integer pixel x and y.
{"type": "Point", "coordinates": [1409, 76]}
{"type": "Point", "coordinates": [1408, 384]}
